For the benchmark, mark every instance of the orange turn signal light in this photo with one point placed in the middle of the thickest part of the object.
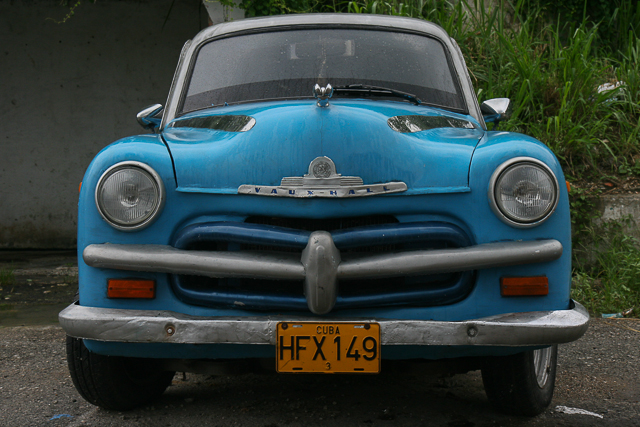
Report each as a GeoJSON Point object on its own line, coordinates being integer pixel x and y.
{"type": "Point", "coordinates": [524, 286]}
{"type": "Point", "coordinates": [131, 288]}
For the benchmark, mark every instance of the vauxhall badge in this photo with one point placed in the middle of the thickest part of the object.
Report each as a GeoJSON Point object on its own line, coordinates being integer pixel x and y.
{"type": "Point", "coordinates": [323, 181]}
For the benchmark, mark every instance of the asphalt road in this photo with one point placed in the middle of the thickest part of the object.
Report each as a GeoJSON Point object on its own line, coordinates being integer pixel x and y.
{"type": "Point", "coordinates": [599, 374]}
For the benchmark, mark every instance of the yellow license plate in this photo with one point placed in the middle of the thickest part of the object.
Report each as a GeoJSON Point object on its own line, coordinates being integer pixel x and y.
{"type": "Point", "coordinates": [328, 347]}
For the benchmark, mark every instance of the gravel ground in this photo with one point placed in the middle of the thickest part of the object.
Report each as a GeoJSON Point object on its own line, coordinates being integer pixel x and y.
{"type": "Point", "coordinates": [36, 285]}
{"type": "Point", "coordinates": [599, 373]}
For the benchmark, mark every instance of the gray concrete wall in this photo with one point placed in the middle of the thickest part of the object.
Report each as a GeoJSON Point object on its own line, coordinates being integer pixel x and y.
{"type": "Point", "coordinates": [623, 208]}
{"type": "Point", "coordinates": [68, 90]}
{"type": "Point", "coordinates": [620, 207]}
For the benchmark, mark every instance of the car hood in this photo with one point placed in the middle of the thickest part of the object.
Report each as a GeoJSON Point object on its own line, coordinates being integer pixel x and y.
{"type": "Point", "coordinates": [218, 150]}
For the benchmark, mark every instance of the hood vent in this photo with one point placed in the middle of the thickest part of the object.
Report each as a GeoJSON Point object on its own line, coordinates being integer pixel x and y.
{"type": "Point", "coordinates": [223, 123]}
{"type": "Point", "coordinates": [411, 124]}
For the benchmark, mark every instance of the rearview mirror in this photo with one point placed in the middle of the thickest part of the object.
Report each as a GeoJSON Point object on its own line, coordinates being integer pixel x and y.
{"type": "Point", "coordinates": [495, 110]}
{"type": "Point", "coordinates": [147, 117]}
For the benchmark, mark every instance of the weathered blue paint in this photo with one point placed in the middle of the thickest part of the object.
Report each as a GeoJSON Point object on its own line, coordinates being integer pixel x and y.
{"type": "Point", "coordinates": [352, 133]}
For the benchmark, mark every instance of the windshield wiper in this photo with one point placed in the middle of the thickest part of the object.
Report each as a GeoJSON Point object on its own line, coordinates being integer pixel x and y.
{"type": "Point", "coordinates": [377, 91]}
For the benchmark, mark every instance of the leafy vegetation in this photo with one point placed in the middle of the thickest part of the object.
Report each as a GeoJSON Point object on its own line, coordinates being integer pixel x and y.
{"type": "Point", "coordinates": [609, 283]}
{"type": "Point", "coordinates": [615, 17]}
{"type": "Point", "coordinates": [6, 277]}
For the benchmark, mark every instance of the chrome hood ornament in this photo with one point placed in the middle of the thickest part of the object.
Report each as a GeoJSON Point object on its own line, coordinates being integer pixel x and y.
{"type": "Point", "coordinates": [323, 94]}
{"type": "Point", "coordinates": [323, 181]}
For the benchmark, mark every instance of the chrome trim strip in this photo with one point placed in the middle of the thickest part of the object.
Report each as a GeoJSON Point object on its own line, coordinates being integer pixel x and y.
{"type": "Point", "coordinates": [151, 326]}
{"type": "Point", "coordinates": [337, 191]}
{"type": "Point", "coordinates": [488, 255]}
{"type": "Point", "coordinates": [166, 259]}
{"type": "Point", "coordinates": [409, 192]}
{"type": "Point", "coordinates": [173, 88]}
{"type": "Point", "coordinates": [472, 98]}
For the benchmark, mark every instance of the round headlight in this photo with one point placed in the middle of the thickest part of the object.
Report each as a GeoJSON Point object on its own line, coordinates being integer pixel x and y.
{"type": "Point", "coordinates": [523, 192]}
{"type": "Point", "coordinates": [129, 195]}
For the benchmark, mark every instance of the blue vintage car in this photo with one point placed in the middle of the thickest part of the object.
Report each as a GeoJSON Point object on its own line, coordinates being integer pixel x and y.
{"type": "Point", "coordinates": [322, 192]}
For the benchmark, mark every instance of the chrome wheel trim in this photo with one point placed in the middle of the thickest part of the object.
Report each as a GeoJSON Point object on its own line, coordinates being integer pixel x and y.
{"type": "Point", "coordinates": [542, 365]}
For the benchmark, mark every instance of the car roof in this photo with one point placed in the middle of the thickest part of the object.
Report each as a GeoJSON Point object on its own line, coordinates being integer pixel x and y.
{"type": "Point", "coordinates": [318, 19]}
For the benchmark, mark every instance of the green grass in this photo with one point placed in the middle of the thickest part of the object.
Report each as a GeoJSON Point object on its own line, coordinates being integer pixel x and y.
{"type": "Point", "coordinates": [6, 277]}
{"type": "Point", "coordinates": [609, 282]}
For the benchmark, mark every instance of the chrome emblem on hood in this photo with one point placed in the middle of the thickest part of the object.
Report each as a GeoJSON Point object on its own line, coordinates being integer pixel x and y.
{"type": "Point", "coordinates": [323, 181]}
{"type": "Point", "coordinates": [323, 168]}
{"type": "Point", "coordinates": [322, 173]}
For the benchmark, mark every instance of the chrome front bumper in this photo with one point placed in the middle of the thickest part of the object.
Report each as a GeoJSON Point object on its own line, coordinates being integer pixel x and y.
{"type": "Point", "coordinates": [147, 326]}
{"type": "Point", "coordinates": [320, 265]}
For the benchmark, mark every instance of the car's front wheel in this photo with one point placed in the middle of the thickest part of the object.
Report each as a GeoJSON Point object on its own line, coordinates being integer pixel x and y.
{"type": "Point", "coordinates": [116, 383]}
{"type": "Point", "coordinates": [521, 384]}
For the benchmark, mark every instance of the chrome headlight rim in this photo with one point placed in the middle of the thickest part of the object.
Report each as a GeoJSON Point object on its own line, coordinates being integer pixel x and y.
{"type": "Point", "coordinates": [146, 221]}
{"type": "Point", "coordinates": [504, 167]}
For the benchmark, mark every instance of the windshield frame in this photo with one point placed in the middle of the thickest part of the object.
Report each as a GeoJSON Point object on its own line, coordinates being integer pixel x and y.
{"type": "Point", "coordinates": [194, 56]}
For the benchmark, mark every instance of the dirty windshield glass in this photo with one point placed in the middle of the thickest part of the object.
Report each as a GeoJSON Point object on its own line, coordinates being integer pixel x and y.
{"type": "Point", "coordinates": [288, 64]}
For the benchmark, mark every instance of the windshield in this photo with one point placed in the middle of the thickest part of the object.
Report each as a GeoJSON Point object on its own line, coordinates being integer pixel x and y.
{"type": "Point", "coordinates": [288, 64]}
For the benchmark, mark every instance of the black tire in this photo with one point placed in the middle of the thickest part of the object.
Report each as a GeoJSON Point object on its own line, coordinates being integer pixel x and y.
{"type": "Point", "coordinates": [521, 384]}
{"type": "Point", "coordinates": [115, 383]}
